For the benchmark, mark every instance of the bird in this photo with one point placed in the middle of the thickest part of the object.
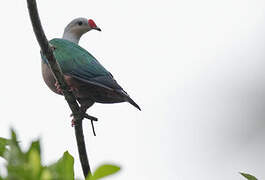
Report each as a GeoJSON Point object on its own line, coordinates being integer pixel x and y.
{"type": "Point", "coordinates": [88, 80]}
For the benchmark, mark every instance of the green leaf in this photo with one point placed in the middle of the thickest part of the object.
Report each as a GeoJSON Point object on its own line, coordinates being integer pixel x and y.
{"type": "Point", "coordinates": [46, 175]}
{"type": "Point", "coordinates": [27, 165]}
{"type": "Point", "coordinates": [23, 165]}
{"type": "Point", "coordinates": [64, 168]}
{"type": "Point", "coordinates": [3, 143]}
{"type": "Point", "coordinates": [248, 176]}
{"type": "Point", "coordinates": [14, 141]}
{"type": "Point", "coordinates": [35, 145]}
{"type": "Point", "coordinates": [103, 171]}
{"type": "Point", "coordinates": [34, 163]}
{"type": "Point", "coordinates": [14, 155]}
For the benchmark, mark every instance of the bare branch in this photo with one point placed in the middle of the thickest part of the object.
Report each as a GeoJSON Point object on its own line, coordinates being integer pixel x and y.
{"type": "Point", "coordinates": [69, 97]}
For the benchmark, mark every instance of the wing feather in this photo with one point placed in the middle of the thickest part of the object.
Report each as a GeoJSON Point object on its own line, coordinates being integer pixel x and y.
{"type": "Point", "coordinates": [79, 63]}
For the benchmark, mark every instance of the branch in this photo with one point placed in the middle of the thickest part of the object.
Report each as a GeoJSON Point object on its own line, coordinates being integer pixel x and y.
{"type": "Point", "coordinates": [69, 97]}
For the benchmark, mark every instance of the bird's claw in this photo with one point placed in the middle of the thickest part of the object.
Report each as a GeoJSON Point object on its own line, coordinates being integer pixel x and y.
{"type": "Point", "coordinates": [73, 122]}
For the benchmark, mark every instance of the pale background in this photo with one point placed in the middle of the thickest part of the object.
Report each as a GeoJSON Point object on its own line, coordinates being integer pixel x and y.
{"type": "Point", "coordinates": [196, 68]}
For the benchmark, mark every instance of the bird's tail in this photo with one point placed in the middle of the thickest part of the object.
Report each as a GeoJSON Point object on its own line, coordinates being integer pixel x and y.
{"type": "Point", "coordinates": [133, 103]}
{"type": "Point", "coordinates": [128, 99]}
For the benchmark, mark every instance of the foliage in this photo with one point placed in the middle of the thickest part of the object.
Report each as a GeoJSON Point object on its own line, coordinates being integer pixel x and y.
{"type": "Point", "coordinates": [28, 166]}
{"type": "Point", "coordinates": [103, 171]}
{"type": "Point", "coordinates": [248, 176]}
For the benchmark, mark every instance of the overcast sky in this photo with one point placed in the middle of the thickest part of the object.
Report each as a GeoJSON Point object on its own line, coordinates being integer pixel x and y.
{"type": "Point", "coordinates": [196, 68]}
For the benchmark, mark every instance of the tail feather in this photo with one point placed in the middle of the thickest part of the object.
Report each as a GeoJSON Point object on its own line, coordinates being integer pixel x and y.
{"type": "Point", "coordinates": [128, 99]}
{"type": "Point", "coordinates": [133, 103]}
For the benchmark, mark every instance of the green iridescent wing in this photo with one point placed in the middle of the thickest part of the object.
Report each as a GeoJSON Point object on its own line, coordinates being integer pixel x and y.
{"type": "Point", "coordinates": [77, 62]}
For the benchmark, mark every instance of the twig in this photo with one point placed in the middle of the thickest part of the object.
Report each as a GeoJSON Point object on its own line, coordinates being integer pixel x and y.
{"type": "Point", "coordinates": [69, 97]}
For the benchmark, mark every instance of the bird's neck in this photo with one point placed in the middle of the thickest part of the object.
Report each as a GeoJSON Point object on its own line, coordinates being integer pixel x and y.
{"type": "Point", "coordinates": [71, 36]}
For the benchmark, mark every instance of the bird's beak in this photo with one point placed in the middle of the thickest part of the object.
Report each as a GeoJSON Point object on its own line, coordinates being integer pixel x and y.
{"type": "Point", "coordinates": [97, 28]}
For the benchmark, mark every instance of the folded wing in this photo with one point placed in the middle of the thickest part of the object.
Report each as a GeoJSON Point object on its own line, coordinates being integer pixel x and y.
{"type": "Point", "coordinates": [80, 64]}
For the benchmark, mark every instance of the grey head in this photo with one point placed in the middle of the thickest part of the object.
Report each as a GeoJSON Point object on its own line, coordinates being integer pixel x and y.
{"type": "Point", "coordinates": [77, 27]}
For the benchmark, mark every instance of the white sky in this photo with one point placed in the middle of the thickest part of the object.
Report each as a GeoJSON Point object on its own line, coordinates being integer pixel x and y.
{"type": "Point", "coordinates": [196, 68]}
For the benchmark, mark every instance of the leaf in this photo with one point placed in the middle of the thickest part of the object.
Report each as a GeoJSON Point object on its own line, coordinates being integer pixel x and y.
{"type": "Point", "coordinates": [3, 143]}
{"type": "Point", "coordinates": [34, 159]}
{"type": "Point", "coordinates": [23, 165]}
{"type": "Point", "coordinates": [46, 175]}
{"type": "Point", "coordinates": [34, 163]}
{"type": "Point", "coordinates": [35, 145]}
{"type": "Point", "coordinates": [68, 166]}
{"type": "Point", "coordinates": [14, 155]}
{"type": "Point", "coordinates": [14, 142]}
{"type": "Point", "coordinates": [63, 168]}
{"type": "Point", "coordinates": [17, 166]}
{"type": "Point", "coordinates": [103, 171]}
{"type": "Point", "coordinates": [248, 176]}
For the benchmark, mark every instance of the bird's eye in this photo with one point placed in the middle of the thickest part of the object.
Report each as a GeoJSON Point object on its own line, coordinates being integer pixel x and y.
{"type": "Point", "coordinates": [80, 23]}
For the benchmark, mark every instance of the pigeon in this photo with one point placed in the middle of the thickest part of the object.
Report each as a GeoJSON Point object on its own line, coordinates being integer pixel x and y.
{"type": "Point", "coordinates": [88, 80]}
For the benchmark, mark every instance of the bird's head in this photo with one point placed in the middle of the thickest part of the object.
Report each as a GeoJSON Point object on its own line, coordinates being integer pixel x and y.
{"type": "Point", "coordinates": [80, 26]}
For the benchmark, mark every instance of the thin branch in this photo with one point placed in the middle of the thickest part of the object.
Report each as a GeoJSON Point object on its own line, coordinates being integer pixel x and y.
{"type": "Point", "coordinates": [69, 97]}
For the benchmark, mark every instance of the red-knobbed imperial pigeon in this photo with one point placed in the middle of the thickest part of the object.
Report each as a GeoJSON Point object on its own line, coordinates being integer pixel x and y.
{"type": "Point", "coordinates": [87, 78]}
